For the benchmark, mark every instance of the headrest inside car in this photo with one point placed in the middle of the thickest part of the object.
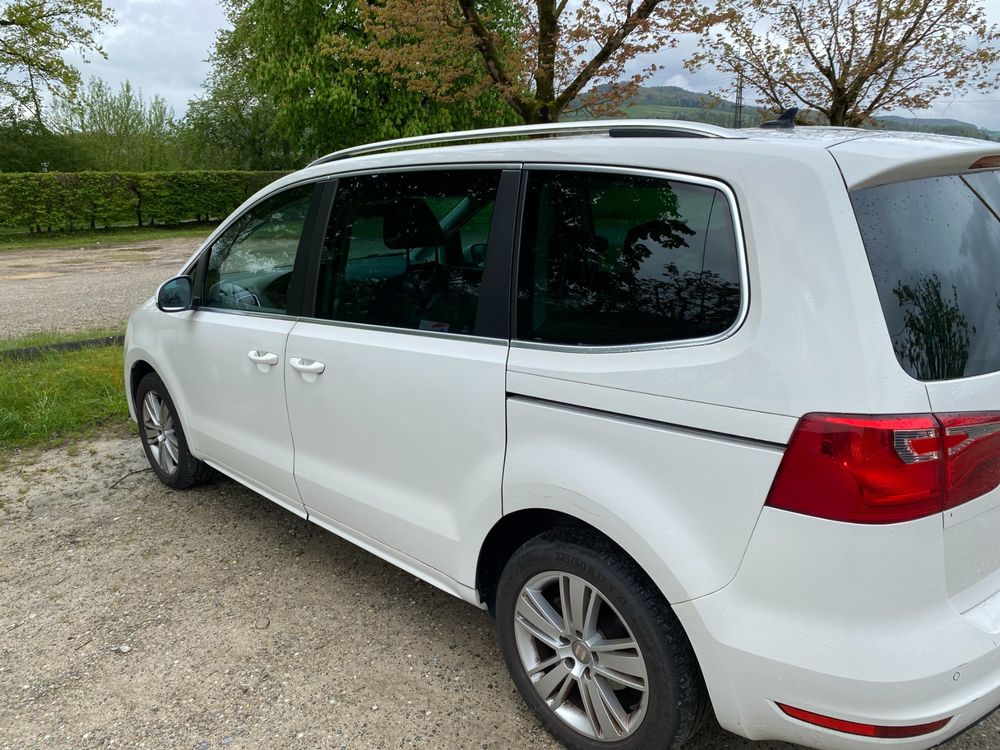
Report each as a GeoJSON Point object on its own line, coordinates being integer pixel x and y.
{"type": "Point", "coordinates": [408, 223]}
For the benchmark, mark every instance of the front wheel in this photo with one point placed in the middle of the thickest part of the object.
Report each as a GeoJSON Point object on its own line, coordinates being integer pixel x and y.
{"type": "Point", "coordinates": [594, 648]}
{"type": "Point", "coordinates": [163, 438]}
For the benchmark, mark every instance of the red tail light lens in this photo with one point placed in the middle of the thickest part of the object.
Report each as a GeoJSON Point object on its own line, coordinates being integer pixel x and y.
{"type": "Point", "coordinates": [973, 444]}
{"type": "Point", "coordinates": [863, 730]}
{"type": "Point", "coordinates": [887, 469]}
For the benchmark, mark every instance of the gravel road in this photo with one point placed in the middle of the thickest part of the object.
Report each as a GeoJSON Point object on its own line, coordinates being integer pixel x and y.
{"type": "Point", "coordinates": [70, 289]}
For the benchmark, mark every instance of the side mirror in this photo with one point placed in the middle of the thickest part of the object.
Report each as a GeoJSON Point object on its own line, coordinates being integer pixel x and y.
{"type": "Point", "coordinates": [175, 295]}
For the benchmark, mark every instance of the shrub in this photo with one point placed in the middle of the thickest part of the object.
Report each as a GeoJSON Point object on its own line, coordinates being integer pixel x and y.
{"type": "Point", "coordinates": [78, 200]}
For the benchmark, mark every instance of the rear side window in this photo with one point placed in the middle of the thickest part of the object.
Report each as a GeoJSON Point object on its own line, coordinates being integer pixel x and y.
{"type": "Point", "coordinates": [617, 259]}
{"type": "Point", "coordinates": [934, 248]}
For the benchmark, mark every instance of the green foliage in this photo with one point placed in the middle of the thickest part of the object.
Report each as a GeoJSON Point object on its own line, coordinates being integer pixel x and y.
{"type": "Point", "coordinates": [118, 130]}
{"type": "Point", "coordinates": [276, 61]}
{"type": "Point", "coordinates": [60, 201]}
{"type": "Point", "coordinates": [60, 394]}
{"type": "Point", "coordinates": [34, 35]}
{"type": "Point", "coordinates": [26, 146]}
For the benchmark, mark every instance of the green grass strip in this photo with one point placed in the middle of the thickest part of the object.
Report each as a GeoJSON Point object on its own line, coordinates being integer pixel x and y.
{"type": "Point", "coordinates": [89, 239]}
{"type": "Point", "coordinates": [60, 395]}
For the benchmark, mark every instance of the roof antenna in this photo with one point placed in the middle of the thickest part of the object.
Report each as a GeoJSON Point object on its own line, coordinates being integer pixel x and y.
{"type": "Point", "coordinates": [787, 119]}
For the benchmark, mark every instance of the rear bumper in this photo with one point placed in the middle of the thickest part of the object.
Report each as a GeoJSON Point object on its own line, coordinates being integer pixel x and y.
{"type": "Point", "coordinates": [850, 622]}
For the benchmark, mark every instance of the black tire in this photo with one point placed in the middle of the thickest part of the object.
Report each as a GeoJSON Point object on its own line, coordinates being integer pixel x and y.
{"type": "Point", "coordinates": [673, 705]}
{"type": "Point", "coordinates": [168, 454]}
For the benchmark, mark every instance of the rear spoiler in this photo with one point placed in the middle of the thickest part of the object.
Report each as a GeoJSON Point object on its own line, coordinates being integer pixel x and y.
{"type": "Point", "coordinates": [884, 157]}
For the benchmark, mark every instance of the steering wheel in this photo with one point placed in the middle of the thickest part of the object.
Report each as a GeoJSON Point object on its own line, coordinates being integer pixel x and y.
{"type": "Point", "coordinates": [230, 294]}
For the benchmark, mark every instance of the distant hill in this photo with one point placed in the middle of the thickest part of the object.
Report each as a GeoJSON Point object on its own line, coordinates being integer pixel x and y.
{"type": "Point", "coordinates": [674, 103]}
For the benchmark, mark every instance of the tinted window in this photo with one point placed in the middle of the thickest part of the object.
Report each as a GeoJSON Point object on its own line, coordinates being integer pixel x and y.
{"type": "Point", "coordinates": [407, 250]}
{"type": "Point", "coordinates": [622, 259]}
{"type": "Point", "coordinates": [934, 249]}
{"type": "Point", "coordinates": [250, 265]}
{"type": "Point", "coordinates": [987, 184]}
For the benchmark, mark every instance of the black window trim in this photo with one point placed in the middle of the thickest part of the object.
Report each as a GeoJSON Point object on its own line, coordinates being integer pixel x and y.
{"type": "Point", "coordinates": [741, 256]}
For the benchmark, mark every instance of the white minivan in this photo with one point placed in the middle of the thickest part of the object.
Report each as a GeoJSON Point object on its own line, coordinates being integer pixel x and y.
{"type": "Point", "coordinates": [705, 418]}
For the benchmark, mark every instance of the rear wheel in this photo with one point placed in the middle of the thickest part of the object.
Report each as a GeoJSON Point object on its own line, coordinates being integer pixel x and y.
{"type": "Point", "coordinates": [593, 647]}
{"type": "Point", "coordinates": [162, 437]}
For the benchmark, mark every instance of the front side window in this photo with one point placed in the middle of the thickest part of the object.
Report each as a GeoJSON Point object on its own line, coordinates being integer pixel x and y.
{"type": "Point", "coordinates": [407, 250]}
{"type": "Point", "coordinates": [614, 259]}
{"type": "Point", "coordinates": [934, 249]}
{"type": "Point", "coordinates": [250, 265]}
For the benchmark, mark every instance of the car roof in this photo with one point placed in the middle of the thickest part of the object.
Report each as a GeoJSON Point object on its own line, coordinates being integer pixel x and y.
{"type": "Point", "coordinates": [865, 157]}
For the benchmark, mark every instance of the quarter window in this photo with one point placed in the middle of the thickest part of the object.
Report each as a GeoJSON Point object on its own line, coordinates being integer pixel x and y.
{"type": "Point", "coordinates": [407, 250]}
{"type": "Point", "coordinates": [250, 265]}
{"type": "Point", "coordinates": [614, 259]}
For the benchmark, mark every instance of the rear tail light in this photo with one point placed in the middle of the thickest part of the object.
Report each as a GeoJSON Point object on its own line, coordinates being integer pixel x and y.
{"type": "Point", "coordinates": [887, 469]}
{"type": "Point", "coordinates": [863, 730]}
{"type": "Point", "coordinates": [987, 162]}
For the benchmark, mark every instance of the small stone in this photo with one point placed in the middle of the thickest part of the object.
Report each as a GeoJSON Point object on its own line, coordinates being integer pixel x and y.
{"type": "Point", "coordinates": [262, 623]}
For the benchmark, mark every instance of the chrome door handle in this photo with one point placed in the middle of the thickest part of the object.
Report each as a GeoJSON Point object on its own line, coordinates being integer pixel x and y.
{"type": "Point", "coordinates": [306, 366]}
{"type": "Point", "coordinates": [262, 358]}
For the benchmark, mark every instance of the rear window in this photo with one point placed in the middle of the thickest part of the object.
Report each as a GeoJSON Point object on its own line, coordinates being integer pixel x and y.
{"type": "Point", "coordinates": [934, 248]}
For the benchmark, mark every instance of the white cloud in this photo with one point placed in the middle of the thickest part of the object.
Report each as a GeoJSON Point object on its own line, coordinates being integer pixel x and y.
{"type": "Point", "coordinates": [160, 46]}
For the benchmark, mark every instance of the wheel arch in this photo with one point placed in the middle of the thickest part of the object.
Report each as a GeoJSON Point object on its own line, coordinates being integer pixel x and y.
{"type": "Point", "coordinates": [511, 532]}
{"type": "Point", "coordinates": [140, 369]}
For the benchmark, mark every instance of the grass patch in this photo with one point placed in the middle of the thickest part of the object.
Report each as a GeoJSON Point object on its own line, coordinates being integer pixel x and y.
{"type": "Point", "coordinates": [89, 239]}
{"type": "Point", "coordinates": [47, 338]}
{"type": "Point", "coordinates": [60, 395]}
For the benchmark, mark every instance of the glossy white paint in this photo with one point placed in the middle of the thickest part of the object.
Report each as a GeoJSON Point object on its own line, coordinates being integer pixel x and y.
{"type": "Point", "coordinates": [846, 620]}
{"type": "Point", "coordinates": [233, 409]}
{"type": "Point", "coordinates": [406, 443]}
{"type": "Point", "coordinates": [658, 492]}
{"type": "Point", "coordinates": [401, 438]}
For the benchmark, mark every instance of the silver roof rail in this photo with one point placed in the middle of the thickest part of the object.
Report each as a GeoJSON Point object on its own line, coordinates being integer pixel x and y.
{"type": "Point", "coordinates": [614, 128]}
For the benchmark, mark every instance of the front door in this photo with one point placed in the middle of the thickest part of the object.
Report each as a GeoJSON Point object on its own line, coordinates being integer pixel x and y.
{"type": "Point", "coordinates": [395, 388]}
{"type": "Point", "coordinates": [230, 352]}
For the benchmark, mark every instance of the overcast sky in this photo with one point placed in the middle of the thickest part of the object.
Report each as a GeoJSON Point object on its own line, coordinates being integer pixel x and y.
{"type": "Point", "coordinates": [161, 46]}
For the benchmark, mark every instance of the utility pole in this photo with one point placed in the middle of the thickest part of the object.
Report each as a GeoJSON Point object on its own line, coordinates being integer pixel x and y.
{"type": "Point", "coordinates": [738, 109]}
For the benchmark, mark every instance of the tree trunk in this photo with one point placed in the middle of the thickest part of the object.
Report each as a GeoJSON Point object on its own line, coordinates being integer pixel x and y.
{"type": "Point", "coordinates": [838, 112]}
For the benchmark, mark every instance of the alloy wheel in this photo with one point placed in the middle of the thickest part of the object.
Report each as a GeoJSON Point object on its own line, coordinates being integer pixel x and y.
{"type": "Point", "coordinates": [160, 432]}
{"type": "Point", "coordinates": [581, 656]}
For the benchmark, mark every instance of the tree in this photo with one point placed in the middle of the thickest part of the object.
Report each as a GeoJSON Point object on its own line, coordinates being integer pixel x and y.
{"type": "Point", "coordinates": [118, 131]}
{"type": "Point", "coordinates": [319, 101]}
{"type": "Point", "coordinates": [33, 36]}
{"type": "Point", "coordinates": [849, 59]}
{"type": "Point", "coordinates": [232, 125]}
{"type": "Point", "coordinates": [544, 57]}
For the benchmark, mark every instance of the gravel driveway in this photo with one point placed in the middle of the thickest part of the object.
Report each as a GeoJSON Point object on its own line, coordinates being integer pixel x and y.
{"type": "Point", "coordinates": [73, 290]}
{"type": "Point", "coordinates": [136, 616]}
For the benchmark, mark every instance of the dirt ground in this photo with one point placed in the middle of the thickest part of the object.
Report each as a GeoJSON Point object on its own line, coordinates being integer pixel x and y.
{"type": "Point", "coordinates": [135, 616]}
{"type": "Point", "coordinates": [69, 289]}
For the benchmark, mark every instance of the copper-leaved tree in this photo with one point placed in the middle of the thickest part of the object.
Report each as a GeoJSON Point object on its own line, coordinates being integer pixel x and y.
{"type": "Point", "coordinates": [849, 59]}
{"type": "Point", "coordinates": [544, 57]}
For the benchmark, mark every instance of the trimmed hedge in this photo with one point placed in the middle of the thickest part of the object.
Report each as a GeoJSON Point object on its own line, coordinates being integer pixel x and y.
{"type": "Point", "coordinates": [78, 200]}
